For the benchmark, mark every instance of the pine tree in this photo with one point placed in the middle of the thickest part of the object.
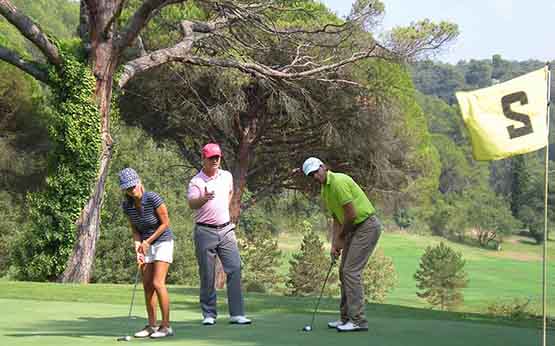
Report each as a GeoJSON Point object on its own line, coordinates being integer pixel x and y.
{"type": "Point", "coordinates": [441, 276]}
{"type": "Point", "coordinates": [261, 257]}
{"type": "Point", "coordinates": [308, 267]}
{"type": "Point", "coordinates": [380, 277]}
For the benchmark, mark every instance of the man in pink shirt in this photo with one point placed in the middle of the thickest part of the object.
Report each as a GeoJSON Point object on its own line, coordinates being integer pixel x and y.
{"type": "Point", "coordinates": [209, 194]}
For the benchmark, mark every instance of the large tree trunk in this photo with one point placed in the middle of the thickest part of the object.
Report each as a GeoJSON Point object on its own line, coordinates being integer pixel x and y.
{"type": "Point", "coordinates": [246, 127]}
{"type": "Point", "coordinates": [104, 58]}
{"type": "Point", "coordinates": [80, 265]}
{"type": "Point", "coordinates": [247, 134]}
{"type": "Point", "coordinates": [239, 179]}
{"type": "Point", "coordinates": [239, 182]}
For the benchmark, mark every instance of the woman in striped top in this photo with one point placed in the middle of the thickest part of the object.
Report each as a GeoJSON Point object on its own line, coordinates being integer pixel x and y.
{"type": "Point", "coordinates": [149, 222]}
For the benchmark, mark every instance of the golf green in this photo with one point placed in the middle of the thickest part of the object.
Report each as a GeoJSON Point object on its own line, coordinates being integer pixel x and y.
{"type": "Point", "coordinates": [55, 322]}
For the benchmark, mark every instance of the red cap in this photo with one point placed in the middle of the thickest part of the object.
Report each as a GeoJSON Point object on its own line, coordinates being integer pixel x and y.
{"type": "Point", "coordinates": [210, 150]}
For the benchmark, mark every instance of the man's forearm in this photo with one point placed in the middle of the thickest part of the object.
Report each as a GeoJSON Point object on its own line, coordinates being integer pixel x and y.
{"type": "Point", "coordinates": [337, 238]}
{"type": "Point", "coordinates": [196, 203]}
{"type": "Point", "coordinates": [348, 227]}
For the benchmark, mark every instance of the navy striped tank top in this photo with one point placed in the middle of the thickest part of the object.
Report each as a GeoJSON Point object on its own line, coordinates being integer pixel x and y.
{"type": "Point", "coordinates": [146, 220]}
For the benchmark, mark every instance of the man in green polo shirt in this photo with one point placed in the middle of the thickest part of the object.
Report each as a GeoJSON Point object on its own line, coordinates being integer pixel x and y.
{"type": "Point", "coordinates": [356, 231]}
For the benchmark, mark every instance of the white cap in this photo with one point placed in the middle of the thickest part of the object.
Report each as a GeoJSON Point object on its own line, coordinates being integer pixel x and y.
{"type": "Point", "coordinates": [311, 164]}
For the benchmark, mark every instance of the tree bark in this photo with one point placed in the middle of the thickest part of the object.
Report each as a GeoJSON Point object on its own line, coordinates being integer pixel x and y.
{"type": "Point", "coordinates": [246, 125]}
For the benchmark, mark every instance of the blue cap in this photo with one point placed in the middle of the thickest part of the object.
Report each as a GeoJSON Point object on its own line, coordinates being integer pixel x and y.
{"type": "Point", "coordinates": [311, 164]}
{"type": "Point", "coordinates": [128, 178]}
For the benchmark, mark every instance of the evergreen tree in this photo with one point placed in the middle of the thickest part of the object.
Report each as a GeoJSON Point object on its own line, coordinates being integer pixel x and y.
{"type": "Point", "coordinates": [380, 277]}
{"type": "Point", "coordinates": [441, 276]}
{"type": "Point", "coordinates": [261, 258]}
{"type": "Point", "coordinates": [308, 267]}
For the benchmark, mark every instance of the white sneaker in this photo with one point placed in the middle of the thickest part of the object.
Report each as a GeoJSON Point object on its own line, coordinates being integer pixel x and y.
{"type": "Point", "coordinates": [351, 327]}
{"type": "Point", "coordinates": [334, 324]}
{"type": "Point", "coordinates": [209, 321]}
{"type": "Point", "coordinates": [240, 319]}
{"type": "Point", "coordinates": [162, 332]}
{"type": "Point", "coordinates": [145, 332]}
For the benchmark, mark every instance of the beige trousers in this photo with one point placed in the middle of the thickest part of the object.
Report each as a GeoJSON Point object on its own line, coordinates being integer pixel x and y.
{"type": "Point", "coordinates": [359, 245]}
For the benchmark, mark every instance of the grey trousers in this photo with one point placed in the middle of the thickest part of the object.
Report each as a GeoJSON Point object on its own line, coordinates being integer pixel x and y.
{"type": "Point", "coordinates": [210, 243]}
{"type": "Point", "coordinates": [359, 245]}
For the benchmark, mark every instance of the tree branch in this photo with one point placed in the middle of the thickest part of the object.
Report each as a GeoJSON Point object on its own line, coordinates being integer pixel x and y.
{"type": "Point", "coordinates": [26, 66]}
{"type": "Point", "coordinates": [31, 31]}
{"type": "Point", "coordinates": [180, 51]}
{"type": "Point", "coordinates": [139, 20]}
{"type": "Point", "coordinates": [267, 72]}
{"type": "Point", "coordinates": [117, 13]}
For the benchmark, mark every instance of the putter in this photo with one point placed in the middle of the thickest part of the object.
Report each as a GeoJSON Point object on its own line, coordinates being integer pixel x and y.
{"type": "Point", "coordinates": [128, 337]}
{"type": "Point", "coordinates": [308, 327]}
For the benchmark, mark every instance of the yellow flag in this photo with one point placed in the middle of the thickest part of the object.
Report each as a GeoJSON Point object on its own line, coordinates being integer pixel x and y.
{"type": "Point", "coordinates": [509, 118]}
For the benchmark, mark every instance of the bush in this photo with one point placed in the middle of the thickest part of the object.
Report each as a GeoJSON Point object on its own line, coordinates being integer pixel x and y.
{"type": "Point", "coordinates": [12, 225]}
{"type": "Point", "coordinates": [255, 219]}
{"type": "Point", "coordinates": [379, 277]}
{"type": "Point", "coordinates": [517, 309]}
{"type": "Point", "coordinates": [441, 276]}
{"type": "Point", "coordinates": [308, 268]}
{"type": "Point", "coordinates": [404, 218]}
{"type": "Point", "coordinates": [261, 258]}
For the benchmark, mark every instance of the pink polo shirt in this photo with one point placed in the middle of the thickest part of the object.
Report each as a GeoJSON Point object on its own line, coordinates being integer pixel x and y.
{"type": "Point", "coordinates": [215, 211]}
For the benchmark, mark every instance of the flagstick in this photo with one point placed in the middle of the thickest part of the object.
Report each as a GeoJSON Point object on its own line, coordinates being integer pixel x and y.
{"type": "Point", "coordinates": [546, 188]}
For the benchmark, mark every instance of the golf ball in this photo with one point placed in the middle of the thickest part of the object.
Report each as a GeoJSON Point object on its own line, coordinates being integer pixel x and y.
{"type": "Point", "coordinates": [307, 328]}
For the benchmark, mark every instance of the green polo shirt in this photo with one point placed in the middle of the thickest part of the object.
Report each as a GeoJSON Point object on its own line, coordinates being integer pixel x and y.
{"type": "Point", "coordinates": [340, 189]}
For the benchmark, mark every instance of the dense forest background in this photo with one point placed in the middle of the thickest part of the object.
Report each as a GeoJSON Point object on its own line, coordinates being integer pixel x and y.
{"type": "Point", "coordinates": [406, 145]}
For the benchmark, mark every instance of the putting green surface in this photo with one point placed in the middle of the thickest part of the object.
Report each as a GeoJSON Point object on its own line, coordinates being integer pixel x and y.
{"type": "Point", "coordinates": [50, 314]}
{"type": "Point", "coordinates": [54, 322]}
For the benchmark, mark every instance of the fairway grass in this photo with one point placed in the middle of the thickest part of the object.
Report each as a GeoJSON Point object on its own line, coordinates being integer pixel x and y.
{"type": "Point", "coordinates": [494, 276]}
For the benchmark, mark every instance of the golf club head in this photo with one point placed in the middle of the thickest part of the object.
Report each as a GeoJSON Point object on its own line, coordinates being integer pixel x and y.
{"type": "Point", "coordinates": [124, 338]}
{"type": "Point", "coordinates": [307, 328]}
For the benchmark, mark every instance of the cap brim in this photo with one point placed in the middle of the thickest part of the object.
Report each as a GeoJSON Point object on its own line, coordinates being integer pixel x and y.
{"type": "Point", "coordinates": [310, 171]}
{"type": "Point", "coordinates": [129, 184]}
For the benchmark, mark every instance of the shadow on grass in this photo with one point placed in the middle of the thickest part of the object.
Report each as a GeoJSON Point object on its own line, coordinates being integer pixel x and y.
{"type": "Point", "coordinates": [277, 321]}
{"type": "Point", "coordinates": [257, 303]}
{"type": "Point", "coordinates": [388, 326]}
{"type": "Point", "coordinates": [528, 242]}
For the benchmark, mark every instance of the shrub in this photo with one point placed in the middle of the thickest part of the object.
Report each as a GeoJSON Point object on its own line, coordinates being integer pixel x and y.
{"type": "Point", "coordinates": [441, 276]}
{"type": "Point", "coordinates": [308, 268]}
{"type": "Point", "coordinates": [404, 218]}
{"type": "Point", "coordinates": [380, 277]}
{"type": "Point", "coordinates": [517, 309]}
{"type": "Point", "coordinates": [261, 258]}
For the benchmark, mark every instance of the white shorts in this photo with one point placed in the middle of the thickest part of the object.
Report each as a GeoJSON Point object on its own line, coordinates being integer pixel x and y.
{"type": "Point", "coordinates": [162, 251]}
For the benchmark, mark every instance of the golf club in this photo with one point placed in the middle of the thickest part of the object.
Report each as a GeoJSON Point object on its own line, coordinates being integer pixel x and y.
{"type": "Point", "coordinates": [308, 327]}
{"type": "Point", "coordinates": [128, 337]}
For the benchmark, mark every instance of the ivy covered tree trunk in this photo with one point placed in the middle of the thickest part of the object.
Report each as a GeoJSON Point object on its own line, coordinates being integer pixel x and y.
{"type": "Point", "coordinates": [104, 59]}
{"type": "Point", "coordinates": [80, 265]}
